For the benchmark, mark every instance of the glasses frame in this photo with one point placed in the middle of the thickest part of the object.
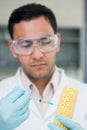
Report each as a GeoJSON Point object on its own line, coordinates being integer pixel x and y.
{"type": "Point", "coordinates": [54, 37]}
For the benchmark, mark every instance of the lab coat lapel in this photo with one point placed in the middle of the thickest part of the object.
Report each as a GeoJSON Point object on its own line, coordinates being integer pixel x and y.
{"type": "Point", "coordinates": [32, 105]}
{"type": "Point", "coordinates": [63, 82]}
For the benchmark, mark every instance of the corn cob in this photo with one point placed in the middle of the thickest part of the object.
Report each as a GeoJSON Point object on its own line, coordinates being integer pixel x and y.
{"type": "Point", "coordinates": [66, 104]}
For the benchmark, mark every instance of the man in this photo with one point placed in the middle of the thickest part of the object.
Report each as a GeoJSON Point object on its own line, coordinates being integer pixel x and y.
{"type": "Point", "coordinates": [35, 43]}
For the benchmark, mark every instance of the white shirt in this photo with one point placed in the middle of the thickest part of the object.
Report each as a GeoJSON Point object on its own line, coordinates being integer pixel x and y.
{"type": "Point", "coordinates": [47, 93]}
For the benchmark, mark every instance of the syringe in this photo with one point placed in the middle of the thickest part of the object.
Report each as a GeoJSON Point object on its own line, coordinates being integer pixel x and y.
{"type": "Point", "coordinates": [41, 100]}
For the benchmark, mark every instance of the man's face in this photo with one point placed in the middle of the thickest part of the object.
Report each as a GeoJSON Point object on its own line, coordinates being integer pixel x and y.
{"type": "Point", "coordinates": [38, 64]}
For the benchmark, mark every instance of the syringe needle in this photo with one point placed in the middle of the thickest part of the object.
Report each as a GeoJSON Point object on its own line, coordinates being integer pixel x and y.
{"type": "Point", "coordinates": [41, 100]}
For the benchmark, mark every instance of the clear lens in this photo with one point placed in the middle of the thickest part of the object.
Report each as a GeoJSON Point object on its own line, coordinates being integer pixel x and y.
{"type": "Point", "coordinates": [23, 47]}
{"type": "Point", "coordinates": [44, 43]}
{"type": "Point", "coordinates": [47, 43]}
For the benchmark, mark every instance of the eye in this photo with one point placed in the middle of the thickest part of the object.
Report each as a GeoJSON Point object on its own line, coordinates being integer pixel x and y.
{"type": "Point", "coordinates": [26, 44]}
{"type": "Point", "coordinates": [45, 41]}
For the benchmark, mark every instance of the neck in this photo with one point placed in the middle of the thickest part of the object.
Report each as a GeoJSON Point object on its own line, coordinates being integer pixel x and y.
{"type": "Point", "coordinates": [41, 84]}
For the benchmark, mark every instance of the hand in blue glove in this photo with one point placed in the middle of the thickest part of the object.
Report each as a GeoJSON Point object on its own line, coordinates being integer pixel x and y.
{"type": "Point", "coordinates": [67, 122]}
{"type": "Point", "coordinates": [14, 108]}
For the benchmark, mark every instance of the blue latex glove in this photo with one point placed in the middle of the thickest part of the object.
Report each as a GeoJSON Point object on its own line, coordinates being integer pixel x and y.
{"type": "Point", "coordinates": [67, 122]}
{"type": "Point", "coordinates": [14, 108]}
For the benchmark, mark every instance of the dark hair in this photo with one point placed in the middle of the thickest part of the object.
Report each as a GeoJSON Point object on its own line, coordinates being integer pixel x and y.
{"type": "Point", "coordinates": [29, 12]}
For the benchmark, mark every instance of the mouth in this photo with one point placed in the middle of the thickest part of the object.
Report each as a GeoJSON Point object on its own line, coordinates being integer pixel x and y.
{"type": "Point", "coordinates": [38, 65]}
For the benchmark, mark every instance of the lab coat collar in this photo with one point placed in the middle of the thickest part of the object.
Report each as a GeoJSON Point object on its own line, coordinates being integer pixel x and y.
{"type": "Point", "coordinates": [63, 82]}
{"type": "Point", "coordinates": [55, 99]}
{"type": "Point", "coordinates": [32, 105]}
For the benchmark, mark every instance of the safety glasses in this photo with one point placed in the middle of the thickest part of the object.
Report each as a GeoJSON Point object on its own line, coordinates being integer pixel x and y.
{"type": "Point", "coordinates": [44, 43]}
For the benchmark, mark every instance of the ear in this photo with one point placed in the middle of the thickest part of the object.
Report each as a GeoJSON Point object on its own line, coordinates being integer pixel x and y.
{"type": "Point", "coordinates": [59, 41]}
{"type": "Point", "coordinates": [10, 44]}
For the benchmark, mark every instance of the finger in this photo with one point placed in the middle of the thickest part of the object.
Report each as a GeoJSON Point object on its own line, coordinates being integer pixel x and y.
{"type": "Point", "coordinates": [23, 117]}
{"type": "Point", "coordinates": [20, 112]}
{"type": "Point", "coordinates": [52, 126]}
{"type": "Point", "coordinates": [22, 101]}
{"type": "Point", "coordinates": [68, 122]}
{"type": "Point", "coordinates": [18, 120]}
{"type": "Point", "coordinates": [13, 95]}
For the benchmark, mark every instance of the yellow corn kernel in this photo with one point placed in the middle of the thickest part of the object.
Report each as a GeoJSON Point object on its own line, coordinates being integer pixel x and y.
{"type": "Point", "coordinates": [66, 104]}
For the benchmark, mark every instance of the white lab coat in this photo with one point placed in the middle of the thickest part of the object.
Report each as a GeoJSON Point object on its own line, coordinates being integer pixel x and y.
{"type": "Point", "coordinates": [35, 120]}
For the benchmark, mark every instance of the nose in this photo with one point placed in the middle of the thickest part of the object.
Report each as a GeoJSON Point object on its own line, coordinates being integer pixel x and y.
{"type": "Point", "coordinates": [37, 54]}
